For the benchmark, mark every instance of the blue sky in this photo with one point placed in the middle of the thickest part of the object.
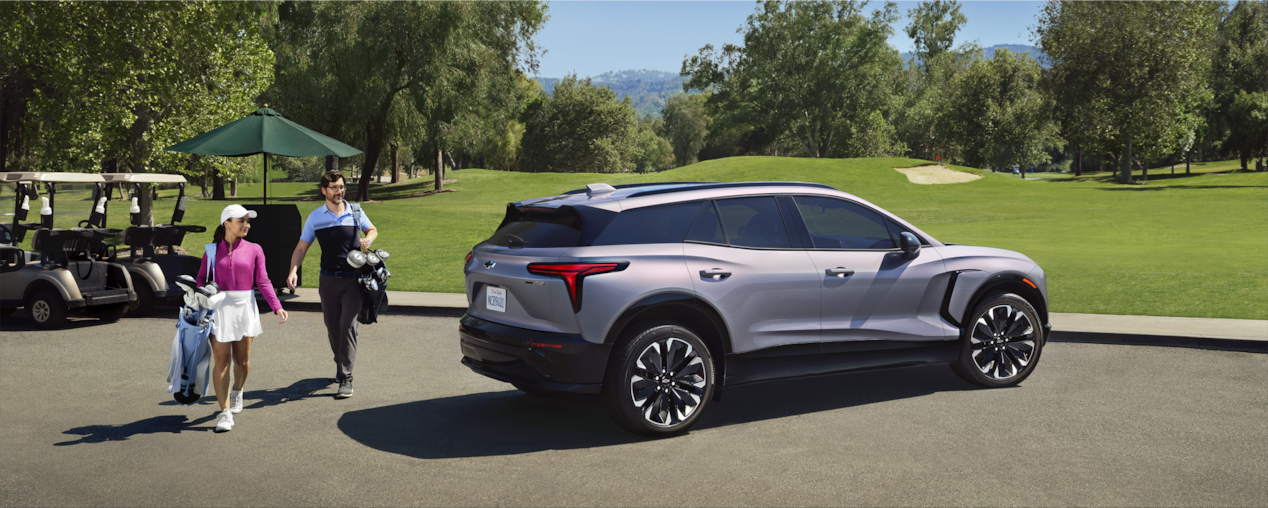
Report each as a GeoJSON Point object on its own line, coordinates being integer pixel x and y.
{"type": "Point", "coordinates": [592, 37]}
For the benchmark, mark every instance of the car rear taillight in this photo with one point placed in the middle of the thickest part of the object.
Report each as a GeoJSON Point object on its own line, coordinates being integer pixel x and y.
{"type": "Point", "coordinates": [574, 273]}
{"type": "Point", "coordinates": [468, 258]}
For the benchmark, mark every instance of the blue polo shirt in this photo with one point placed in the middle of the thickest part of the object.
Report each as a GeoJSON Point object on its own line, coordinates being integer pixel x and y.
{"type": "Point", "coordinates": [337, 235]}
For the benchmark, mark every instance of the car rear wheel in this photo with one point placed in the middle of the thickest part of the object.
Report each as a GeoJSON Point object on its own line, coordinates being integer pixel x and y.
{"type": "Point", "coordinates": [144, 302]}
{"type": "Point", "coordinates": [1001, 342]}
{"type": "Point", "coordinates": [661, 383]}
{"type": "Point", "coordinates": [47, 309]}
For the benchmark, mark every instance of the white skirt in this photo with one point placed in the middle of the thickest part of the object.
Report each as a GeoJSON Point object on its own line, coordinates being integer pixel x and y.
{"type": "Point", "coordinates": [237, 317]}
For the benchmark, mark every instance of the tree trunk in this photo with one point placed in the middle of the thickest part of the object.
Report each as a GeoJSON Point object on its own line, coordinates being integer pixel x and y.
{"type": "Point", "coordinates": [453, 164]}
{"type": "Point", "coordinates": [374, 146]}
{"type": "Point", "coordinates": [233, 187]}
{"type": "Point", "coordinates": [1078, 163]}
{"type": "Point", "coordinates": [440, 167]}
{"type": "Point", "coordinates": [332, 163]}
{"type": "Point", "coordinates": [1188, 156]}
{"type": "Point", "coordinates": [396, 163]}
{"type": "Point", "coordinates": [1126, 176]}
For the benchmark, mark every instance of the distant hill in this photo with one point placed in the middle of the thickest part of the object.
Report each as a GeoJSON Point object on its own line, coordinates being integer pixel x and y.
{"type": "Point", "coordinates": [650, 89]}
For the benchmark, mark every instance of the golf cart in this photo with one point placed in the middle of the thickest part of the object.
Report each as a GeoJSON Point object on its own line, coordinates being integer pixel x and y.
{"type": "Point", "coordinates": [67, 269]}
{"type": "Point", "coordinates": [154, 274]}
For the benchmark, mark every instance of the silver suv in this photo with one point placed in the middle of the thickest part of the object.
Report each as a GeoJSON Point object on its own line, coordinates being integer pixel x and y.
{"type": "Point", "coordinates": [658, 296]}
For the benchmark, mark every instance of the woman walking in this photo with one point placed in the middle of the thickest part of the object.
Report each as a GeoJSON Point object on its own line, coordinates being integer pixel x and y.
{"type": "Point", "coordinates": [237, 266]}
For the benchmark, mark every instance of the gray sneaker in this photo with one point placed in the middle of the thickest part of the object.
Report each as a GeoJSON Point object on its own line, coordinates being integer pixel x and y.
{"type": "Point", "coordinates": [345, 389]}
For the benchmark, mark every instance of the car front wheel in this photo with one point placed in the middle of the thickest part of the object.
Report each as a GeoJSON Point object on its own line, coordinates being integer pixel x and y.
{"type": "Point", "coordinates": [661, 383]}
{"type": "Point", "coordinates": [1001, 342]}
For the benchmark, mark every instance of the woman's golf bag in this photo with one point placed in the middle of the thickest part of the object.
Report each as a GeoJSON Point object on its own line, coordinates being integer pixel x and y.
{"type": "Point", "coordinates": [189, 372]}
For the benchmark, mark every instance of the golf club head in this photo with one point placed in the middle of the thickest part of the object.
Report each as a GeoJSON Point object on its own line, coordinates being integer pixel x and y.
{"type": "Point", "coordinates": [186, 283]}
{"type": "Point", "coordinates": [212, 288]}
{"type": "Point", "coordinates": [214, 301]}
{"type": "Point", "coordinates": [356, 258]}
{"type": "Point", "coordinates": [202, 294]}
{"type": "Point", "coordinates": [382, 254]}
{"type": "Point", "coordinates": [372, 259]}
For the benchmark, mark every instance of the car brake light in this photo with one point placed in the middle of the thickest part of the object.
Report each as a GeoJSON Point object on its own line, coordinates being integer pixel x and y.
{"type": "Point", "coordinates": [468, 258]}
{"type": "Point", "coordinates": [573, 274]}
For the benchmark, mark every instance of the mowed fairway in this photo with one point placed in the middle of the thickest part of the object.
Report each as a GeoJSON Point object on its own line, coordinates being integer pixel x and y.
{"type": "Point", "coordinates": [1178, 246]}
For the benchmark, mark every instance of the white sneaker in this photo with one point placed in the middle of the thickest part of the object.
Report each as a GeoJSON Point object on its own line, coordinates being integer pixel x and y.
{"type": "Point", "coordinates": [235, 401]}
{"type": "Point", "coordinates": [226, 422]}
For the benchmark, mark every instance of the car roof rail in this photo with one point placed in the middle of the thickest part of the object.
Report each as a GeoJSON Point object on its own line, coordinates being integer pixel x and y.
{"type": "Point", "coordinates": [631, 185]}
{"type": "Point", "coordinates": [729, 185]}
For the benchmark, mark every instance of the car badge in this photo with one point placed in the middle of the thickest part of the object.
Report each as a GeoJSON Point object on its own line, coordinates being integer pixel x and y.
{"type": "Point", "coordinates": [489, 264]}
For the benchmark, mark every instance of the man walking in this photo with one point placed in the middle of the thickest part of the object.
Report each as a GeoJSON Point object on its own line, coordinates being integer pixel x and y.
{"type": "Point", "coordinates": [335, 226]}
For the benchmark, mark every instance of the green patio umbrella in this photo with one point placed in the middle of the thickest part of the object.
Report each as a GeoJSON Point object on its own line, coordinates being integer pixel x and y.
{"type": "Point", "coordinates": [266, 132]}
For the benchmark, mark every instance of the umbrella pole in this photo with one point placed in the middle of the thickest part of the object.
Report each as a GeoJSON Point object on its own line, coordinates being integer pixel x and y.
{"type": "Point", "coordinates": [266, 177]}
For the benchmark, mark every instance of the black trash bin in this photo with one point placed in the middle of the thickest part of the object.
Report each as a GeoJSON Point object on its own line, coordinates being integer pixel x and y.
{"type": "Point", "coordinates": [276, 229]}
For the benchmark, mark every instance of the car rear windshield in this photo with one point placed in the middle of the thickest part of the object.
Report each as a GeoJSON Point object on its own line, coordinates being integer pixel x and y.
{"type": "Point", "coordinates": [539, 230]}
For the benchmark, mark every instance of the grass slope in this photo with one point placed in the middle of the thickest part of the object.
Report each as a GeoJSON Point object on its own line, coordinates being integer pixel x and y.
{"type": "Point", "coordinates": [1178, 246]}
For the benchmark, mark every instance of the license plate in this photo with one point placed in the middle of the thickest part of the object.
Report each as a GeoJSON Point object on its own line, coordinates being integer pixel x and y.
{"type": "Point", "coordinates": [495, 299]}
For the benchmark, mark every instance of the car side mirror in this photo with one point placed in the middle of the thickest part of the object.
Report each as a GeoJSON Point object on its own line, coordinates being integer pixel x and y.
{"type": "Point", "coordinates": [911, 244]}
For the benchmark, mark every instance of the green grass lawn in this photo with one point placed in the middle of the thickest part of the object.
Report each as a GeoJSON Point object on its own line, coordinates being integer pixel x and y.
{"type": "Point", "coordinates": [1178, 246]}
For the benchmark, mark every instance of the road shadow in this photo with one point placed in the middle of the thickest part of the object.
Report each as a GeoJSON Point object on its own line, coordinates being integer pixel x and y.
{"type": "Point", "coordinates": [20, 321]}
{"type": "Point", "coordinates": [512, 422]}
{"type": "Point", "coordinates": [255, 399]}
{"type": "Point", "coordinates": [166, 424]}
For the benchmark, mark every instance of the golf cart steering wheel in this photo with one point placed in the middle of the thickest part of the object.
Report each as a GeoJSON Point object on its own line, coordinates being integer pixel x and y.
{"type": "Point", "coordinates": [6, 235]}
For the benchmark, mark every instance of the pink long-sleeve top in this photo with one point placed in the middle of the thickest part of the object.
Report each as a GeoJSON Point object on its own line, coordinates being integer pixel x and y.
{"type": "Point", "coordinates": [240, 270]}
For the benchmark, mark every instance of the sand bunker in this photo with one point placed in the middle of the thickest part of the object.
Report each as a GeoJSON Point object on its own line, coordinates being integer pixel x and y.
{"type": "Point", "coordinates": [934, 173]}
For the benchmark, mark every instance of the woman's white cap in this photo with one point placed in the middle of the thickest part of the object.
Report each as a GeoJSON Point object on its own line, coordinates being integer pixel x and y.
{"type": "Point", "coordinates": [232, 211]}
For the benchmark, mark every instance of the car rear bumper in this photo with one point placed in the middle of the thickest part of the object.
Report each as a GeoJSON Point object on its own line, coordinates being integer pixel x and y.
{"type": "Point", "coordinates": [560, 362]}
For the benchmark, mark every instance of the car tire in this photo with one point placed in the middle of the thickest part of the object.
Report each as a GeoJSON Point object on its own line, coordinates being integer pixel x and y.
{"type": "Point", "coordinates": [665, 403]}
{"type": "Point", "coordinates": [534, 391]}
{"type": "Point", "coordinates": [47, 309]}
{"type": "Point", "coordinates": [1000, 343]}
{"type": "Point", "coordinates": [144, 303]}
{"type": "Point", "coordinates": [113, 312]}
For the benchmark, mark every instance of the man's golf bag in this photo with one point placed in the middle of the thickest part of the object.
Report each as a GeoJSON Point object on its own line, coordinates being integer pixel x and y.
{"type": "Point", "coordinates": [372, 276]}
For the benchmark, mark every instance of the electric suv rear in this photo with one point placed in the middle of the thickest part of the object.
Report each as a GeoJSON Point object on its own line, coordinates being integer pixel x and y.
{"type": "Point", "coordinates": [658, 296]}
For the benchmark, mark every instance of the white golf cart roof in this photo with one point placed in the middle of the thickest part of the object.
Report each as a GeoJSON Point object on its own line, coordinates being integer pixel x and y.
{"type": "Point", "coordinates": [37, 176]}
{"type": "Point", "coordinates": [142, 178]}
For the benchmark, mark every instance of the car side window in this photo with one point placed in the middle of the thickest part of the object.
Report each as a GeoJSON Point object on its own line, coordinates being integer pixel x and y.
{"type": "Point", "coordinates": [840, 224]}
{"type": "Point", "coordinates": [753, 222]}
{"type": "Point", "coordinates": [707, 229]}
{"type": "Point", "coordinates": [653, 224]}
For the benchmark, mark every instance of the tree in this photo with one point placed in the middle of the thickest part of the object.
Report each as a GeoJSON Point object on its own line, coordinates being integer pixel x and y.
{"type": "Point", "coordinates": [685, 126]}
{"type": "Point", "coordinates": [581, 129]}
{"type": "Point", "coordinates": [804, 67]}
{"type": "Point", "coordinates": [654, 153]}
{"type": "Point", "coordinates": [998, 114]}
{"type": "Point", "coordinates": [1239, 67]}
{"type": "Point", "coordinates": [933, 27]}
{"type": "Point", "coordinates": [110, 84]}
{"type": "Point", "coordinates": [1138, 65]}
{"type": "Point", "coordinates": [417, 69]}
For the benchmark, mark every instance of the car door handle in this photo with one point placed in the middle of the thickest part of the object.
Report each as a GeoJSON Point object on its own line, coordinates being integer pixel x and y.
{"type": "Point", "coordinates": [840, 272]}
{"type": "Point", "coordinates": [715, 274]}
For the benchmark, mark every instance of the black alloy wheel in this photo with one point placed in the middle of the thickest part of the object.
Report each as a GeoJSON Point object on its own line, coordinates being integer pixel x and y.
{"type": "Point", "coordinates": [1001, 342]}
{"type": "Point", "coordinates": [47, 309]}
{"type": "Point", "coordinates": [661, 383]}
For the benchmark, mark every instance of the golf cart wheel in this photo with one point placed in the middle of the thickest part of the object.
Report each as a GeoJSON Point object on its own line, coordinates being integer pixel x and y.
{"type": "Point", "coordinates": [1001, 342]}
{"type": "Point", "coordinates": [113, 312]}
{"type": "Point", "coordinates": [47, 309]}
{"type": "Point", "coordinates": [144, 302]}
{"type": "Point", "coordinates": [661, 383]}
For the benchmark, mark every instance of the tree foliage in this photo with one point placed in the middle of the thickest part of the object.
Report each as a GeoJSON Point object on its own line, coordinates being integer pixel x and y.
{"type": "Point", "coordinates": [581, 129]}
{"type": "Point", "coordinates": [999, 115]}
{"type": "Point", "coordinates": [686, 126]}
{"type": "Point", "coordinates": [110, 84]}
{"type": "Point", "coordinates": [1138, 66]}
{"type": "Point", "coordinates": [404, 72]}
{"type": "Point", "coordinates": [804, 67]}
{"type": "Point", "coordinates": [1238, 78]}
{"type": "Point", "coordinates": [933, 27]}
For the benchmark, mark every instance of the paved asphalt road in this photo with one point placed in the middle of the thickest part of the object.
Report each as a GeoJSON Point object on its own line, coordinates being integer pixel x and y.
{"type": "Point", "coordinates": [84, 421]}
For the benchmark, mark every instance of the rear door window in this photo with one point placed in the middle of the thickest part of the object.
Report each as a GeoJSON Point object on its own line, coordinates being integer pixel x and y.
{"type": "Point", "coordinates": [753, 222]}
{"type": "Point", "coordinates": [539, 230]}
{"type": "Point", "coordinates": [653, 224]}
{"type": "Point", "coordinates": [840, 224]}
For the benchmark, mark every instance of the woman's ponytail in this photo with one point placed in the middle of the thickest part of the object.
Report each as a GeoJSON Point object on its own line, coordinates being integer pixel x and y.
{"type": "Point", "coordinates": [219, 235]}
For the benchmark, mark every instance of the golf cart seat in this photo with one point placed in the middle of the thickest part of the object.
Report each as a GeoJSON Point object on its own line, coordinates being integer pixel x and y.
{"type": "Point", "coordinates": [59, 247]}
{"type": "Point", "coordinates": [14, 235]}
{"type": "Point", "coordinates": [147, 238]}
